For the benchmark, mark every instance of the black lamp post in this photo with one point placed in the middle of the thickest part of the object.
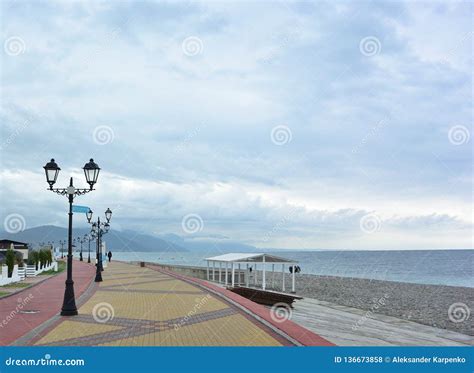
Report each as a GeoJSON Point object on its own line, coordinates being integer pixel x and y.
{"type": "Point", "coordinates": [98, 229]}
{"type": "Point", "coordinates": [89, 238]}
{"type": "Point", "coordinates": [91, 172]}
{"type": "Point", "coordinates": [81, 240]}
{"type": "Point", "coordinates": [51, 246]}
{"type": "Point", "coordinates": [62, 242]}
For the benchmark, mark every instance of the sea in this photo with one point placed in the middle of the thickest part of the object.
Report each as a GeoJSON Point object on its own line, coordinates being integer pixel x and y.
{"type": "Point", "coordinates": [438, 267]}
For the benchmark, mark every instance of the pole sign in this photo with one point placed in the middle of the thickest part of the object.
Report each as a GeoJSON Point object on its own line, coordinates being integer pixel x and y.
{"type": "Point", "coordinates": [83, 209]}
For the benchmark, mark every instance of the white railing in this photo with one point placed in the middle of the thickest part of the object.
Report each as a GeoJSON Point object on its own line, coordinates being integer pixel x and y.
{"type": "Point", "coordinates": [22, 273]}
{"type": "Point", "coordinates": [19, 274]}
{"type": "Point", "coordinates": [31, 270]}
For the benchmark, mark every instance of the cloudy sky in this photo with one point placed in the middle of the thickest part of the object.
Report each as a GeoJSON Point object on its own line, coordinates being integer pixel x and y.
{"type": "Point", "coordinates": [290, 124]}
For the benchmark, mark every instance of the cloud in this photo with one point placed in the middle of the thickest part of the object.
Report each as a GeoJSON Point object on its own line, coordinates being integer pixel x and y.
{"type": "Point", "coordinates": [192, 133]}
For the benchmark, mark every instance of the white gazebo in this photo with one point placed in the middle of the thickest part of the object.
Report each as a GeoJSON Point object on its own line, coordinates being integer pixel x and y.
{"type": "Point", "coordinates": [238, 259]}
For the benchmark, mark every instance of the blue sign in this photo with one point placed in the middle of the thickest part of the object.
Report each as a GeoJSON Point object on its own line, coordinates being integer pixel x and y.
{"type": "Point", "coordinates": [239, 359]}
{"type": "Point", "coordinates": [83, 209]}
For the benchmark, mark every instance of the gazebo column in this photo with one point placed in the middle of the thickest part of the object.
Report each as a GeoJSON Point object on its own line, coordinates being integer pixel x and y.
{"type": "Point", "coordinates": [208, 270]}
{"type": "Point", "coordinates": [247, 277]}
{"type": "Point", "coordinates": [233, 274]}
{"type": "Point", "coordinates": [293, 280]}
{"type": "Point", "coordinates": [273, 276]}
{"type": "Point", "coordinates": [213, 271]}
{"type": "Point", "coordinates": [226, 273]}
{"type": "Point", "coordinates": [239, 280]}
{"type": "Point", "coordinates": [264, 285]}
{"type": "Point", "coordinates": [283, 277]}
{"type": "Point", "coordinates": [220, 272]}
{"type": "Point", "coordinates": [255, 275]}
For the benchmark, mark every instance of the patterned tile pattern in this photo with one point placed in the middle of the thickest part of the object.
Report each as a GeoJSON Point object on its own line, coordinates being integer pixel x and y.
{"type": "Point", "coordinates": [140, 307]}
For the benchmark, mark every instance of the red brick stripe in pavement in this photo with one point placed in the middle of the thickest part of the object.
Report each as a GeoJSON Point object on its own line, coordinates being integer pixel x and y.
{"type": "Point", "coordinates": [45, 297]}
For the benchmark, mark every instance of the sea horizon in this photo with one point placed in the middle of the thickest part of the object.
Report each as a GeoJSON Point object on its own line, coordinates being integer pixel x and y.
{"type": "Point", "coordinates": [386, 265]}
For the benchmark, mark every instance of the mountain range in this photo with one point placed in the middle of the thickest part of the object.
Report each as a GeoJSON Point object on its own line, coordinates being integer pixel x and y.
{"type": "Point", "coordinates": [130, 240]}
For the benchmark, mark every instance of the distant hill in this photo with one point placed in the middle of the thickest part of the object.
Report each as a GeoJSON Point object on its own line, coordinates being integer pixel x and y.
{"type": "Point", "coordinates": [203, 244]}
{"type": "Point", "coordinates": [116, 240]}
{"type": "Point", "coordinates": [133, 241]}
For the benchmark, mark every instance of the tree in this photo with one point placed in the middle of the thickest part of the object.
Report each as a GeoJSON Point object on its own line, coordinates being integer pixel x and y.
{"type": "Point", "coordinates": [34, 258]}
{"type": "Point", "coordinates": [42, 258]}
{"type": "Point", "coordinates": [10, 261]}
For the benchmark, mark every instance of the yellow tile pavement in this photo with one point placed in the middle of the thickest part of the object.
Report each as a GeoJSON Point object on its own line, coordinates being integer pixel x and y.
{"type": "Point", "coordinates": [137, 306]}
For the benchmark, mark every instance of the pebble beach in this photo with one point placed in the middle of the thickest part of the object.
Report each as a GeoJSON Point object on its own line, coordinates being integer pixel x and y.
{"type": "Point", "coordinates": [446, 307]}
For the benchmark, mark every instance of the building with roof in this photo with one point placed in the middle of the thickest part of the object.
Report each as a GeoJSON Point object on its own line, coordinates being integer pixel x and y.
{"type": "Point", "coordinates": [21, 247]}
{"type": "Point", "coordinates": [234, 261]}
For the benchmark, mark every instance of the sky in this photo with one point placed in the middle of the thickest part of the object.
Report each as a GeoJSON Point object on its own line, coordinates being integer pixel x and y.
{"type": "Point", "coordinates": [291, 124]}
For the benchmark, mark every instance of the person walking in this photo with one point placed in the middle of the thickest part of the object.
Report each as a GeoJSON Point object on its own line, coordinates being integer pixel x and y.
{"type": "Point", "coordinates": [109, 255]}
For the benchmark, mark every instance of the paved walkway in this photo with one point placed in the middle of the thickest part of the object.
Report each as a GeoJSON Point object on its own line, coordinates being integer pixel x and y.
{"type": "Point", "coordinates": [26, 310]}
{"type": "Point", "coordinates": [137, 306]}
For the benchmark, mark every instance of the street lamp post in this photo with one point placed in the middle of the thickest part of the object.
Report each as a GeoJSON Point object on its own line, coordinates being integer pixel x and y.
{"type": "Point", "coordinates": [51, 246]}
{"type": "Point", "coordinates": [81, 241]}
{"type": "Point", "coordinates": [62, 242]}
{"type": "Point", "coordinates": [91, 172]}
{"type": "Point", "coordinates": [98, 229]}
{"type": "Point", "coordinates": [89, 238]}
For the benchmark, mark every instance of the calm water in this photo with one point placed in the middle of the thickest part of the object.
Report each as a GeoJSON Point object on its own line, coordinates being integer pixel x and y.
{"type": "Point", "coordinates": [444, 267]}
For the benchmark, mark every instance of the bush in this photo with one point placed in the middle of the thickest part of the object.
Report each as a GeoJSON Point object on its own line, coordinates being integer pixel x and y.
{"type": "Point", "coordinates": [43, 258]}
{"type": "Point", "coordinates": [49, 257]}
{"type": "Point", "coordinates": [10, 261]}
{"type": "Point", "coordinates": [19, 258]}
{"type": "Point", "coordinates": [34, 258]}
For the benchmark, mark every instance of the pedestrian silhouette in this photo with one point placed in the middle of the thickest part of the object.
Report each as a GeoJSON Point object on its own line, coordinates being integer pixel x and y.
{"type": "Point", "coordinates": [109, 255]}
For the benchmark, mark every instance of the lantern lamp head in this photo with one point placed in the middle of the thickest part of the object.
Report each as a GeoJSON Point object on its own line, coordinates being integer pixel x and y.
{"type": "Point", "coordinates": [91, 172]}
{"type": "Point", "coordinates": [52, 170]}
{"type": "Point", "coordinates": [89, 215]}
{"type": "Point", "coordinates": [108, 215]}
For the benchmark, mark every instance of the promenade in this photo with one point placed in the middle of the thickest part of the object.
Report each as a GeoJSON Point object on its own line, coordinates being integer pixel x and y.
{"type": "Point", "coordinates": [24, 311]}
{"type": "Point", "coordinates": [137, 306]}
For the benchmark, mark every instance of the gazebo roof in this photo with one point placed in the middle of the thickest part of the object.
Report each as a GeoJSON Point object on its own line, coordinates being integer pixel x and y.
{"type": "Point", "coordinates": [250, 258]}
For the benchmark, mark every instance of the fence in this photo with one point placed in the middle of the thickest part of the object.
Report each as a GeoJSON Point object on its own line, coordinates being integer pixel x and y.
{"type": "Point", "coordinates": [19, 274]}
